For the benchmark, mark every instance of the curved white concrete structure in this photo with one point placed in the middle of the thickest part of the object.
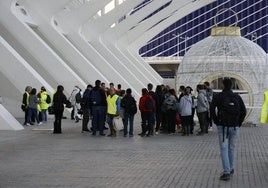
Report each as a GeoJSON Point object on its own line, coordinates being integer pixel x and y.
{"type": "Point", "coordinates": [75, 42]}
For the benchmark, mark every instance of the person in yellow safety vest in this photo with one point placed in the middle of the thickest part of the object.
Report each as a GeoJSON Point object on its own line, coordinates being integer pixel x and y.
{"type": "Point", "coordinates": [264, 111]}
{"type": "Point", "coordinates": [113, 110]}
{"type": "Point", "coordinates": [25, 102]}
{"type": "Point", "coordinates": [44, 103]}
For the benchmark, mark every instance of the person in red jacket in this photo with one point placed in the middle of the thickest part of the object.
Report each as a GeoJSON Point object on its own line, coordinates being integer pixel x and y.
{"type": "Point", "coordinates": [146, 107]}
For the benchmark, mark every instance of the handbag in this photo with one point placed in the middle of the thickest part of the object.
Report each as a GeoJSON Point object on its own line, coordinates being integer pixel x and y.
{"type": "Point", "coordinates": [118, 123]}
{"type": "Point", "coordinates": [50, 110]}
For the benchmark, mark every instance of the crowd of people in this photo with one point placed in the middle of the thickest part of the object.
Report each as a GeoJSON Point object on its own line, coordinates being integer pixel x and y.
{"type": "Point", "coordinates": [162, 109]}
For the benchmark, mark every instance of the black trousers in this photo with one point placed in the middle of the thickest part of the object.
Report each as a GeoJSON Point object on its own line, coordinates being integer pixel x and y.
{"type": "Point", "coordinates": [146, 122]}
{"type": "Point", "coordinates": [171, 121]}
{"type": "Point", "coordinates": [192, 121]}
{"type": "Point", "coordinates": [86, 113]}
{"type": "Point", "coordinates": [186, 123]}
{"type": "Point", "coordinates": [158, 116]}
{"type": "Point", "coordinates": [57, 122]}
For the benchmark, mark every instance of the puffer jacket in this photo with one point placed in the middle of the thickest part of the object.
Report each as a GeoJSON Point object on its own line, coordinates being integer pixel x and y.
{"type": "Point", "coordinates": [202, 102]}
{"type": "Point", "coordinates": [185, 105]}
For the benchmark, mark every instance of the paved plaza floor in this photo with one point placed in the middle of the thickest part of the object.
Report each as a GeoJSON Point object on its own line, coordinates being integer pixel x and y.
{"type": "Point", "coordinates": [38, 158]}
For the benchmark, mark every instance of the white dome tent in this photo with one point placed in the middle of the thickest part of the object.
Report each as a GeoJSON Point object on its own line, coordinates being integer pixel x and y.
{"type": "Point", "coordinates": [226, 54]}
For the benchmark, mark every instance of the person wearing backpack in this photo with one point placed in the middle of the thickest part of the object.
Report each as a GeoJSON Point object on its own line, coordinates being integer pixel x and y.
{"type": "Point", "coordinates": [152, 93]}
{"type": "Point", "coordinates": [171, 104]}
{"type": "Point", "coordinates": [99, 107]}
{"type": "Point", "coordinates": [231, 112]}
{"type": "Point", "coordinates": [86, 108]}
{"type": "Point", "coordinates": [130, 107]}
{"type": "Point", "coordinates": [45, 100]}
{"type": "Point", "coordinates": [147, 108]}
{"type": "Point", "coordinates": [75, 99]}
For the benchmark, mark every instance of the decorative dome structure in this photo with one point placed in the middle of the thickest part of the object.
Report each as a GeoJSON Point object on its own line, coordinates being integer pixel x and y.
{"type": "Point", "coordinates": [226, 54]}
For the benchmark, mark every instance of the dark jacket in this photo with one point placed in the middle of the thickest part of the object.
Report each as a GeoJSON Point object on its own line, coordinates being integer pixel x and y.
{"type": "Point", "coordinates": [126, 103]}
{"type": "Point", "coordinates": [217, 103]}
{"type": "Point", "coordinates": [102, 96]}
{"type": "Point", "coordinates": [86, 99]}
{"type": "Point", "coordinates": [159, 101]}
{"type": "Point", "coordinates": [153, 94]}
{"type": "Point", "coordinates": [58, 100]}
{"type": "Point", "coordinates": [25, 101]}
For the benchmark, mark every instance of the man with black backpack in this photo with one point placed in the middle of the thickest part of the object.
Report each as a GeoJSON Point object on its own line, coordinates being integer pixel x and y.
{"type": "Point", "coordinates": [130, 107]}
{"type": "Point", "coordinates": [231, 112]}
{"type": "Point", "coordinates": [147, 109]}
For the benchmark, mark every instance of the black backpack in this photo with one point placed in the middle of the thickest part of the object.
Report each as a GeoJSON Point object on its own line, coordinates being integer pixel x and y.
{"type": "Point", "coordinates": [229, 112]}
{"type": "Point", "coordinates": [78, 98]}
{"type": "Point", "coordinates": [48, 100]}
{"type": "Point", "coordinates": [132, 108]}
{"type": "Point", "coordinates": [149, 104]}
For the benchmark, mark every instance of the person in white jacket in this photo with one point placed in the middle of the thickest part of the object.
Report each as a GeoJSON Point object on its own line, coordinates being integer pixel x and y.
{"type": "Point", "coordinates": [185, 109]}
{"type": "Point", "coordinates": [75, 103]}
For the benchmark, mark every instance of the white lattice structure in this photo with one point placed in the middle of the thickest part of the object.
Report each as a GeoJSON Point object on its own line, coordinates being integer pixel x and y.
{"type": "Point", "coordinates": [227, 54]}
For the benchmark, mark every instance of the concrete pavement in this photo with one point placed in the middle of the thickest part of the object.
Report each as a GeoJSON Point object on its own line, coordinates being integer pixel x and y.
{"type": "Point", "coordinates": [39, 159]}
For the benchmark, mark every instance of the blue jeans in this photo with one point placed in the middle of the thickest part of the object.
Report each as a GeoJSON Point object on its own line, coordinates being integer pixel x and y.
{"type": "Point", "coordinates": [227, 140]}
{"type": "Point", "coordinates": [128, 118]}
{"type": "Point", "coordinates": [44, 115]}
{"type": "Point", "coordinates": [98, 119]}
{"type": "Point", "coordinates": [32, 112]}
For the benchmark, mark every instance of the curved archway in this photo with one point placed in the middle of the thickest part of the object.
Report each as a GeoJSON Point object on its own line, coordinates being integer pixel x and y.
{"type": "Point", "coordinates": [243, 86]}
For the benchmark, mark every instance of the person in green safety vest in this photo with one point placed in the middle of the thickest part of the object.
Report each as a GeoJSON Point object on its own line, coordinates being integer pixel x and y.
{"type": "Point", "coordinates": [264, 111]}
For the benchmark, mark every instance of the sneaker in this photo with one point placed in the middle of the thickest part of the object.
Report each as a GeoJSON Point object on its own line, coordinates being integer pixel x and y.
{"type": "Point", "coordinates": [156, 133]}
{"type": "Point", "coordinates": [232, 172]}
{"type": "Point", "coordinates": [40, 123]}
{"type": "Point", "coordinates": [142, 135]}
{"type": "Point", "coordinates": [28, 124]}
{"type": "Point", "coordinates": [225, 177]}
{"type": "Point", "coordinates": [200, 134]}
{"type": "Point", "coordinates": [83, 131]}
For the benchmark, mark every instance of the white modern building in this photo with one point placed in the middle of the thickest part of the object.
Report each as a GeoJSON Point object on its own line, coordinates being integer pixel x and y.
{"type": "Point", "coordinates": [75, 42]}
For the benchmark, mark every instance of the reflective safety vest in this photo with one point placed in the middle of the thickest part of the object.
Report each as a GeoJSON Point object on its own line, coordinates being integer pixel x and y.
{"type": "Point", "coordinates": [264, 111]}
{"type": "Point", "coordinates": [27, 100]}
{"type": "Point", "coordinates": [43, 103]}
{"type": "Point", "coordinates": [111, 104]}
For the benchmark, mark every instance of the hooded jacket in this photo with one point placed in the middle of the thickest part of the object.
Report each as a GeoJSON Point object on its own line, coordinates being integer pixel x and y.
{"type": "Point", "coordinates": [202, 102]}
